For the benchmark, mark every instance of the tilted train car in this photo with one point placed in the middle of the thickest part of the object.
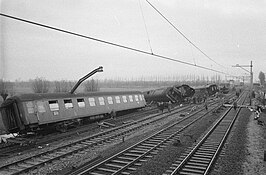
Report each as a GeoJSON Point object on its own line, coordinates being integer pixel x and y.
{"type": "Point", "coordinates": [185, 90]}
{"type": "Point", "coordinates": [224, 90]}
{"type": "Point", "coordinates": [206, 91]}
{"type": "Point", "coordinates": [174, 94]}
{"type": "Point", "coordinates": [29, 112]}
{"type": "Point", "coordinates": [212, 89]}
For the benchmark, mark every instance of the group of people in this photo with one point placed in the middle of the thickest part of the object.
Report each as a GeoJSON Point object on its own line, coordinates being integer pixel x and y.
{"type": "Point", "coordinates": [199, 99]}
{"type": "Point", "coordinates": [258, 111]}
{"type": "Point", "coordinates": [162, 105]}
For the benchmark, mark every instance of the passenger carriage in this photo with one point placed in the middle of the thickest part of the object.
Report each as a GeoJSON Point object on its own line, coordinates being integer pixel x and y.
{"type": "Point", "coordinates": [29, 112]}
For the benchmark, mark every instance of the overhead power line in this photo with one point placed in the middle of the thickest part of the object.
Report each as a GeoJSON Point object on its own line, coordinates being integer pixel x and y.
{"type": "Point", "coordinates": [145, 26]}
{"type": "Point", "coordinates": [113, 44]}
{"type": "Point", "coordinates": [182, 33]}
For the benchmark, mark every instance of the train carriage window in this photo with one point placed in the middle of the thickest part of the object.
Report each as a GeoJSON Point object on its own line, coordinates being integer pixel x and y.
{"type": "Point", "coordinates": [117, 99]}
{"type": "Point", "coordinates": [140, 97]}
{"type": "Point", "coordinates": [30, 107]}
{"type": "Point", "coordinates": [40, 106]}
{"type": "Point", "coordinates": [130, 98]}
{"type": "Point", "coordinates": [81, 102]}
{"type": "Point", "coordinates": [110, 100]}
{"type": "Point", "coordinates": [53, 105]}
{"type": "Point", "coordinates": [101, 100]}
{"type": "Point", "coordinates": [68, 103]}
{"type": "Point", "coordinates": [92, 102]}
{"type": "Point", "coordinates": [137, 98]}
{"type": "Point", "coordinates": [124, 98]}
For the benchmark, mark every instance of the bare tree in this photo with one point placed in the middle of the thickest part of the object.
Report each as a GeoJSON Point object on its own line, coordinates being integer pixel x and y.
{"type": "Point", "coordinates": [262, 78]}
{"type": "Point", "coordinates": [40, 85]}
{"type": "Point", "coordinates": [63, 86]}
{"type": "Point", "coordinates": [6, 88]}
{"type": "Point", "coordinates": [91, 85]}
{"type": "Point", "coordinates": [3, 89]}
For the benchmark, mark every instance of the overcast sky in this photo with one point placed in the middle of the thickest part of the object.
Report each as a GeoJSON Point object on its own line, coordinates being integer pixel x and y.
{"type": "Point", "coordinates": [230, 32]}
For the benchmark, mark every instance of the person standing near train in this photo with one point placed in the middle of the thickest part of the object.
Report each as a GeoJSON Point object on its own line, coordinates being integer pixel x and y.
{"type": "Point", "coordinates": [206, 105]}
{"type": "Point", "coordinates": [235, 105]}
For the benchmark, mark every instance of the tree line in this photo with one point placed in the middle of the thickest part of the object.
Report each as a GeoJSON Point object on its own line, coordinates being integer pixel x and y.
{"type": "Point", "coordinates": [41, 85]}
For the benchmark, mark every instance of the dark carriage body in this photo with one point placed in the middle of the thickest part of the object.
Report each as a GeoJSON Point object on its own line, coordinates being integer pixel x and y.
{"type": "Point", "coordinates": [27, 112]}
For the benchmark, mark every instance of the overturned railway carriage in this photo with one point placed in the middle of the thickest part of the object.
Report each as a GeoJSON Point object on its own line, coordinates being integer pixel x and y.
{"type": "Point", "coordinates": [174, 94]}
{"type": "Point", "coordinates": [212, 89]}
{"type": "Point", "coordinates": [206, 91]}
{"type": "Point", "coordinates": [29, 112]}
{"type": "Point", "coordinates": [224, 90]}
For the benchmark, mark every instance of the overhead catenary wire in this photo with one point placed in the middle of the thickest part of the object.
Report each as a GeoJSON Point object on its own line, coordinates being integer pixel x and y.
{"type": "Point", "coordinates": [181, 33]}
{"type": "Point", "coordinates": [145, 26]}
{"type": "Point", "coordinates": [112, 43]}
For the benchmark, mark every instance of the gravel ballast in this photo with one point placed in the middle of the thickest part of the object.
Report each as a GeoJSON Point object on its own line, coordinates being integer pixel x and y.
{"type": "Point", "coordinates": [243, 151]}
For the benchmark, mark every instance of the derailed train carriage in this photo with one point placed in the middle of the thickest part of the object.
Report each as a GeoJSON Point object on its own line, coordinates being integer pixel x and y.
{"type": "Point", "coordinates": [173, 94]}
{"type": "Point", "coordinates": [33, 112]}
{"type": "Point", "coordinates": [202, 92]}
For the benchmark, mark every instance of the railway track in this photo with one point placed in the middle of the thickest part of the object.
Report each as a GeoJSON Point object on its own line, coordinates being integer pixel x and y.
{"type": "Point", "coordinates": [129, 159]}
{"type": "Point", "coordinates": [35, 161]}
{"type": "Point", "coordinates": [10, 148]}
{"type": "Point", "coordinates": [202, 156]}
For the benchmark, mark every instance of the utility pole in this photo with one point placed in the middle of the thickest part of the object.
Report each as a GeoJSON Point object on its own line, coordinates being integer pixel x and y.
{"type": "Point", "coordinates": [251, 76]}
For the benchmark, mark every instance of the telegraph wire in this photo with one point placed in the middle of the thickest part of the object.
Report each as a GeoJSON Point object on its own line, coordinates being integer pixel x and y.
{"type": "Point", "coordinates": [111, 43]}
{"type": "Point", "coordinates": [145, 27]}
{"type": "Point", "coordinates": [182, 33]}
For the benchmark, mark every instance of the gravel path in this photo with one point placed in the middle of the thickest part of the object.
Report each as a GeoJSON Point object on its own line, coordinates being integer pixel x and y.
{"type": "Point", "coordinates": [254, 163]}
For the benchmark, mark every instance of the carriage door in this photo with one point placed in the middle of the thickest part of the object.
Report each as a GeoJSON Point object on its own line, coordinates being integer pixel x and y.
{"type": "Point", "coordinates": [11, 117]}
{"type": "Point", "coordinates": [42, 115]}
{"type": "Point", "coordinates": [31, 112]}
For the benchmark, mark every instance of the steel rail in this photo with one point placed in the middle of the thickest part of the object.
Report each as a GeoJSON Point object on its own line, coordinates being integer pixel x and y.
{"type": "Point", "coordinates": [200, 159]}
{"type": "Point", "coordinates": [27, 164]}
{"type": "Point", "coordinates": [120, 162]}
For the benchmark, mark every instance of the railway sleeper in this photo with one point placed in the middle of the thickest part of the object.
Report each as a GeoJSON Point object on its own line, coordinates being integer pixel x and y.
{"type": "Point", "coordinates": [132, 154]}
{"type": "Point", "coordinates": [126, 158]}
{"type": "Point", "coordinates": [137, 151]}
{"type": "Point", "coordinates": [208, 143]}
{"type": "Point", "coordinates": [31, 162]}
{"type": "Point", "coordinates": [131, 168]}
{"type": "Point", "coordinates": [16, 168]}
{"type": "Point", "coordinates": [203, 153]}
{"type": "Point", "coordinates": [95, 173]}
{"type": "Point", "coordinates": [106, 170]}
{"type": "Point", "coordinates": [197, 167]}
{"type": "Point", "coordinates": [208, 148]}
{"type": "Point", "coordinates": [200, 158]}
{"type": "Point", "coordinates": [113, 165]}
{"type": "Point", "coordinates": [141, 149]}
{"type": "Point", "coordinates": [39, 160]}
{"type": "Point", "coordinates": [197, 164]}
{"type": "Point", "coordinates": [199, 161]}
{"type": "Point", "coordinates": [157, 139]}
{"type": "Point", "coordinates": [48, 157]}
{"type": "Point", "coordinates": [120, 161]}
{"type": "Point", "coordinates": [25, 165]}
{"type": "Point", "coordinates": [148, 145]}
{"type": "Point", "coordinates": [191, 171]}
{"type": "Point", "coordinates": [109, 167]}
